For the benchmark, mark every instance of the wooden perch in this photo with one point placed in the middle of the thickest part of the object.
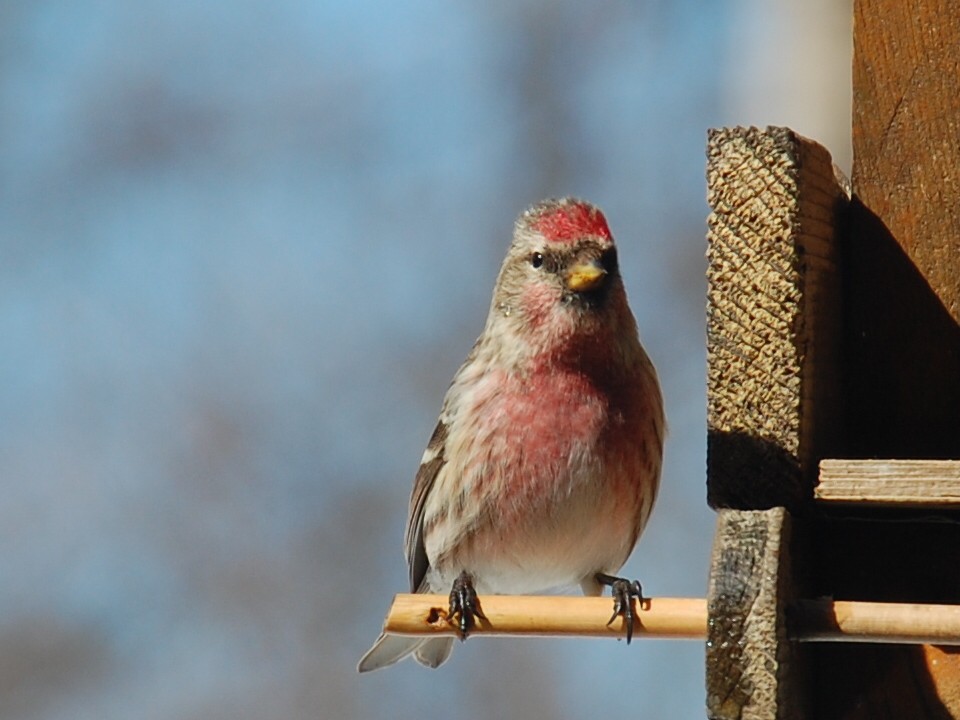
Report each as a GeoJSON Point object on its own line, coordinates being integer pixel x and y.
{"type": "Point", "coordinates": [677, 618]}
{"type": "Point", "coordinates": [549, 615]}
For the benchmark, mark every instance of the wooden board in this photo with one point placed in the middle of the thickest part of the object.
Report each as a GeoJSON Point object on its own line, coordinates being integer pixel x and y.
{"type": "Point", "coordinates": [753, 671]}
{"type": "Point", "coordinates": [921, 483]}
{"type": "Point", "coordinates": [772, 316]}
{"type": "Point", "coordinates": [906, 130]}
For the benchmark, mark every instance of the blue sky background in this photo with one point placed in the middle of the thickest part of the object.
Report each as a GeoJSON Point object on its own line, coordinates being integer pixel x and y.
{"type": "Point", "coordinates": [244, 248]}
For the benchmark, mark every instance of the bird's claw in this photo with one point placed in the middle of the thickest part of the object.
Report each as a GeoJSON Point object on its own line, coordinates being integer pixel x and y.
{"type": "Point", "coordinates": [464, 604]}
{"type": "Point", "coordinates": [624, 592]}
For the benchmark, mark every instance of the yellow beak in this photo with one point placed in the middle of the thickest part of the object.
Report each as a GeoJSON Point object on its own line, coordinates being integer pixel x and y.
{"type": "Point", "coordinates": [585, 276]}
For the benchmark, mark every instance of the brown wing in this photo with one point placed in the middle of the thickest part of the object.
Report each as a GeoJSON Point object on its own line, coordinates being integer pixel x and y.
{"type": "Point", "coordinates": [433, 460]}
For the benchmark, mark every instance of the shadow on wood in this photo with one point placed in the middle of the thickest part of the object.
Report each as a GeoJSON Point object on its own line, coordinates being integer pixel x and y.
{"type": "Point", "coordinates": [877, 559]}
{"type": "Point", "coordinates": [751, 473]}
{"type": "Point", "coordinates": [890, 671]}
{"type": "Point", "coordinates": [901, 350]}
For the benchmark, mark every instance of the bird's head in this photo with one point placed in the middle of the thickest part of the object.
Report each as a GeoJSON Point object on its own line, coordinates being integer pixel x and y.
{"type": "Point", "coordinates": [560, 288]}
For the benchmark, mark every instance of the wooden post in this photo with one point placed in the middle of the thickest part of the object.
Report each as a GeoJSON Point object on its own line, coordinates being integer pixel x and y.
{"type": "Point", "coordinates": [772, 320]}
{"type": "Point", "coordinates": [753, 671]}
{"type": "Point", "coordinates": [773, 372]}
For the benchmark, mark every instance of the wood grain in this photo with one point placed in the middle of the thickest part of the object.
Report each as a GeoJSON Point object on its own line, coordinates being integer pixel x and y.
{"type": "Point", "coordinates": [920, 483]}
{"type": "Point", "coordinates": [772, 316]}
{"type": "Point", "coordinates": [906, 130]}
{"type": "Point", "coordinates": [902, 255]}
{"type": "Point", "coordinates": [753, 670]}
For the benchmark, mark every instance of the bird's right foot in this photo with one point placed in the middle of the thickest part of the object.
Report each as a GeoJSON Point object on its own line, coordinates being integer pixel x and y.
{"type": "Point", "coordinates": [624, 593]}
{"type": "Point", "coordinates": [464, 604]}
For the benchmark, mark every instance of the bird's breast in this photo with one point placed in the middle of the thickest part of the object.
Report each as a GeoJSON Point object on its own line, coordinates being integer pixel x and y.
{"type": "Point", "coordinates": [550, 482]}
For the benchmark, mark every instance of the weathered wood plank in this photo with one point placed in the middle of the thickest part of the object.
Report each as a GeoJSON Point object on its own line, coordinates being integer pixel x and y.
{"type": "Point", "coordinates": [890, 482]}
{"type": "Point", "coordinates": [906, 125]}
{"type": "Point", "coordinates": [752, 668]}
{"type": "Point", "coordinates": [772, 316]}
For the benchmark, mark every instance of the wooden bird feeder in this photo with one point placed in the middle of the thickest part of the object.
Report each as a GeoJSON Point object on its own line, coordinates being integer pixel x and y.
{"type": "Point", "coordinates": [833, 353]}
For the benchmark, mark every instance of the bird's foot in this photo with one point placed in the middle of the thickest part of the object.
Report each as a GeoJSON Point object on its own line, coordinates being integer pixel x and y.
{"type": "Point", "coordinates": [624, 592]}
{"type": "Point", "coordinates": [464, 604]}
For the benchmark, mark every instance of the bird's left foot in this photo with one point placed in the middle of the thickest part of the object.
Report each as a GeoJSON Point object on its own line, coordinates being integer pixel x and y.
{"type": "Point", "coordinates": [624, 592]}
{"type": "Point", "coordinates": [464, 604]}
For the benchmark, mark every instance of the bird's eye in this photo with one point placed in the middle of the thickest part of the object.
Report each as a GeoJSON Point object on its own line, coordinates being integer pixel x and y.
{"type": "Point", "coordinates": [536, 260]}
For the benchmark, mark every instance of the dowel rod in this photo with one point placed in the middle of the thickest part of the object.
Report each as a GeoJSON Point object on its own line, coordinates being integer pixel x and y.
{"type": "Point", "coordinates": [550, 615]}
{"type": "Point", "coordinates": [676, 618]}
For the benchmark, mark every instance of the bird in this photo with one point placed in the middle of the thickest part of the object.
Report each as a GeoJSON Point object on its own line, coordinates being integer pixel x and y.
{"type": "Point", "coordinates": [545, 462]}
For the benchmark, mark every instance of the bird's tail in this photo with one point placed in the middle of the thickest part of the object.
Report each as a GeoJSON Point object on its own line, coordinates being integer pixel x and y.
{"type": "Point", "coordinates": [389, 649]}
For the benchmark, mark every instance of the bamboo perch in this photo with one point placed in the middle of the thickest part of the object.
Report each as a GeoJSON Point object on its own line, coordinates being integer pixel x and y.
{"type": "Point", "coordinates": [549, 615]}
{"type": "Point", "coordinates": [811, 620]}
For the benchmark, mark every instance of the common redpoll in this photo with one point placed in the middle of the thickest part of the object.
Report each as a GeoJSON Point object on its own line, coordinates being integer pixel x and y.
{"type": "Point", "coordinates": [545, 463]}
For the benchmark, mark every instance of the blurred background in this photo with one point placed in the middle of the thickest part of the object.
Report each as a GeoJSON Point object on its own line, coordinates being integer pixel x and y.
{"type": "Point", "coordinates": [246, 245]}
